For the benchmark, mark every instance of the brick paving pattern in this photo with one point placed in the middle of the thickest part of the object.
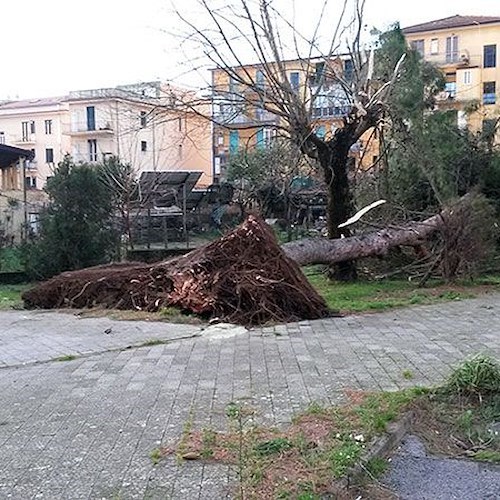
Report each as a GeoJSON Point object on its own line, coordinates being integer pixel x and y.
{"type": "Point", "coordinates": [85, 428]}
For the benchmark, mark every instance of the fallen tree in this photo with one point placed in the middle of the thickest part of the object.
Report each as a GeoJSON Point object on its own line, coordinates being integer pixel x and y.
{"type": "Point", "coordinates": [375, 243]}
{"type": "Point", "coordinates": [243, 277]}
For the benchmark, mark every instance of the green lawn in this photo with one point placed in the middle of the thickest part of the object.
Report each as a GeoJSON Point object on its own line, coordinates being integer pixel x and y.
{"type": "Point", "coordinates": [364, 296]}
{"type": "Point", "coordinates": [10, 296]}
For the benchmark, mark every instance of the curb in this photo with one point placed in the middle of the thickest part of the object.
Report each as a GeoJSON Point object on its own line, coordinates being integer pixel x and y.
{"type": "Point", "coordinates": [380, 447]}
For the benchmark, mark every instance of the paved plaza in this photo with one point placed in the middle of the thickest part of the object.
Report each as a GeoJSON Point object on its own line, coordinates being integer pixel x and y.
{"type": "Point", "coordinates": [85, 428]}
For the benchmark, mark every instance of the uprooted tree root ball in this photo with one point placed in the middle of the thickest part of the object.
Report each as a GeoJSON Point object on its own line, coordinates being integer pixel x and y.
{"type": "Point", "coordinates": [243, 277]}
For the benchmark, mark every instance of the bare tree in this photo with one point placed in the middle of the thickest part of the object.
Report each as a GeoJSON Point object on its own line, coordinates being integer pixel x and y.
{"type": "Point", "coordinates": [258, 30]}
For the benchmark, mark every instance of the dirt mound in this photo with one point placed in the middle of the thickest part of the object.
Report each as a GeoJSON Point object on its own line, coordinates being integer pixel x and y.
{"type": "Point", "coordinates": [243, 277]}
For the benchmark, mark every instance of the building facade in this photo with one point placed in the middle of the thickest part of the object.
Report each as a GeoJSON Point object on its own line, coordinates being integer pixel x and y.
{"type": "Point", "coordinates": [465, 49]}
{"type": "Point", "coordinates": [244, 120]}
{"type": "Point", "coordinates": [137, 123]}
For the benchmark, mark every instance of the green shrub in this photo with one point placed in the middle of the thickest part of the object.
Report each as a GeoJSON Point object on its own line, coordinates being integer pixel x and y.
{"type": "Point", "coordinates": [479, 375]}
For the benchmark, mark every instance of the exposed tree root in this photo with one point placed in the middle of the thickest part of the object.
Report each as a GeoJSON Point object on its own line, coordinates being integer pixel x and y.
{"type": "Point", "coordinates": [244, 277]}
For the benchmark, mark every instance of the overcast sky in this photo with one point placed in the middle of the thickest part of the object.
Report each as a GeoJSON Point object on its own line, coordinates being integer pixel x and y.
{"type": "Point", "coordinates": [52, 46]}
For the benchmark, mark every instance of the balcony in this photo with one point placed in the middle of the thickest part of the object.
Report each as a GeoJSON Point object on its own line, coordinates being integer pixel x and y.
{"type": "Point", "coordinates": [84, 129]}
{"type": "Point", "coordinates": [25, 140]}
{"type": "Point", "coordinates": [239, 118]}
{"type": "Point", "coordinates": [330, 111]}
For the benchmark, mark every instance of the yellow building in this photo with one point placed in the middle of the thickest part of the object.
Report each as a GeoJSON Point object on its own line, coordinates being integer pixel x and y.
{"type": "Point", "coordinates": [465, 48]}
{"type": "Point", "coordinates": [138, 123]}
{"type": "Point", "coordinates": [244, 118]}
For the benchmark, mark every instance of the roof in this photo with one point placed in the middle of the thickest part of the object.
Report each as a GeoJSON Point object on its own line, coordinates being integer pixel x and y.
{"type": "Point", "coordinates": [10, 155]}
{"type": "Point", "coordinates": [30, 103]}
{"type": "Point", "coordinates": [451, 22]}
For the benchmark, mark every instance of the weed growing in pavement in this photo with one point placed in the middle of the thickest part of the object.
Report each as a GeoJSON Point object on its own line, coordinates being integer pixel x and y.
{"type": "Point", "coordinates": [152, 342]}
{"type": "Point", "coordinates": [407, 374]}
{"type": "Point", "coordinates": [155, 456]}
{"type": "Point", "coordinates": [208, 439]}
{"type": "Point", "coordinates": [302, 461]}
{"type": "Point", "coordinates": [67, 357]}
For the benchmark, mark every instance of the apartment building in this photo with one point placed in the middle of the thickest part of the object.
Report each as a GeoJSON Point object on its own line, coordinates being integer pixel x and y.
{"type": "Point", "coordinates": [243, 120]}
{"type": "Point", "coordinates": [138, 123]}
{"type": "Point", "coordinates": [465, 48]}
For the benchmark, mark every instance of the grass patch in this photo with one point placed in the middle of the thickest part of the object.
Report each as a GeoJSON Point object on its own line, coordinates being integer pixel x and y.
{"type": "Point", "coordinates": [322, 444]}
{"type": "Point", "coordinates": [372, 296]}
{"type": "Point", "coordinates": [155, 456]}
{"type": "Point", "coordinates": [152, 342]}
{"type": "Point", "coordinates": [302, 461]}
{"type": "Point", "coordinates": [67, 357]}
{"type": "Point", "coordinates": [479, 375]}
{"type": "Point", "coordinates": [10, 296]}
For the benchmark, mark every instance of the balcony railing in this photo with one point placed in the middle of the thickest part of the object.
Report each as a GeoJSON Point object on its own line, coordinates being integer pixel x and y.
{"type": "Point", "coordinates": [25, 139]}
{"type": "Point", "coordinates": [85, 128]}
{"type": "Point", "coordinates": [331, 111]}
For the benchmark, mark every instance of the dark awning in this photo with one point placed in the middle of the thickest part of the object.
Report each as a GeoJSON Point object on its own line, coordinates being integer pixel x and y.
{"type": "Point", "coordinates": [10, 155]}
{"type": "Point", "coordinates": [167, 188]}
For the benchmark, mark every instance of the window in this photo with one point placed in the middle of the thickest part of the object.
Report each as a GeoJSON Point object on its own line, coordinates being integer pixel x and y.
{"type": "Point", "coordinates": [348, 70]}
{"type": "Point", "coordinates": [27, 129]}
{"type": "Point", "coordinates": [179, 124]}
{"type": "Point", "coordinates": [451, 89]}
{"type": "Point", "coordinates": [319, 72]}
{"type": "Point", "coordinates": [217, 164]}
{"type": "Point", "coordinates": [260, 138]}
{"type": "Point", "coordinates": [294, 80]}
{"type": "Point", "coordinates": [90, 118]}
{"type": "Point", "coordinates": [144, 146]}
{"type": "Point", "coordinates": [321, 131]}
{"type": "Point", "coordinates": [234, 141]}
{"type": "Point", "coordinates": [179, 152]}
{"type": "Point", "coordinates": [30, 182]}
{"type": "Point", "coordinates": [467, 77]}
{"type": "Point", "coordinates": [419, 46]}
{"type": "Point", "coordinates": [48, 127]}
{"type": "Point", "coordinates": [259, 79]}
{"type": "Point", "coordinates": [259, 112]}
{"type": "Point", "coordinates": [490, 56]}
{"type": "Point", "coordinates": [220, 140]}
{"type": "Point", "coordinates": [233, 86]}
{"type": "Point", "coordinates": [143, 119]}
{"type": "Point", "coordinates": [452, 49]}
{"type": "Point", "coordinates": [92, 144]}
{"type": "Point", "coordinates": [49, 155]}
{"type": "Point", "coordinates": [434, 46]}
{"type": "Point", "coordinates": [2, 137]}
{"type": "Point", "coordinates": [489, 90]}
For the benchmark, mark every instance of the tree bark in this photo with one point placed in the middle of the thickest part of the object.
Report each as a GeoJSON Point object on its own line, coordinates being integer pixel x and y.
{"type": "Point", "coordinates": [377, 243]}
{"type": "Point", "coordinates": [335, 162]}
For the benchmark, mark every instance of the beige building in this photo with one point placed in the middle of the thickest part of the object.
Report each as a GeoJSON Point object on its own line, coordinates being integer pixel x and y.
{"type": "Point", "coordinates": [137, 123]}
{"type": "Point", "coordinates": [466, 50]}
{"type": "Point", "coordinates": [242, 120]}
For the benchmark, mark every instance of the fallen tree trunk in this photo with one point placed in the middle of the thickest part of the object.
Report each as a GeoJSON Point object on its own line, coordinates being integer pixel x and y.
{"type": "Point", "coordinates": [376, 243]}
